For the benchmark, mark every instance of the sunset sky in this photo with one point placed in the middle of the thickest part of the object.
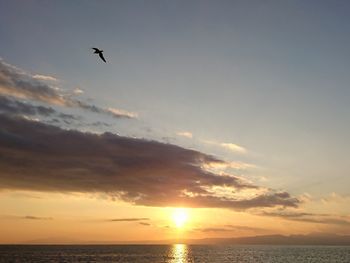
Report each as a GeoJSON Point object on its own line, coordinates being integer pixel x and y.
{"type": "Point", "coordinates": [209, 119]}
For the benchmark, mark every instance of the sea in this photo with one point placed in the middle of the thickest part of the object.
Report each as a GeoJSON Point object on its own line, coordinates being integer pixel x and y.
{"type": "Point", "coordinates": [179, 253]}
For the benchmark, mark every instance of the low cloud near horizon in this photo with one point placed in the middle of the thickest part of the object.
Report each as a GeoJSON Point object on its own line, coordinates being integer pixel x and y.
{"type": "Point", "coordinates": [327, 219]}
{"type": "Point", "coordinates": [230, 228]}
{"type": "Point", "coordinates": [131, 219]}
{"type": "Point", "coordinates": [28, 217]}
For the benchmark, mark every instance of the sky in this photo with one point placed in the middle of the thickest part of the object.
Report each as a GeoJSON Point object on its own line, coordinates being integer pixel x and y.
{"type": "Point", "coordinates": [234, 114]}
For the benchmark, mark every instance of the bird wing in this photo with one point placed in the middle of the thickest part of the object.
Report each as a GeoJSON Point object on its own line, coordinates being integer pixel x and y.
{"type": "Point", "coordinates": [96, 49]}
{"type": "Point", "coordinates": [101, 56]}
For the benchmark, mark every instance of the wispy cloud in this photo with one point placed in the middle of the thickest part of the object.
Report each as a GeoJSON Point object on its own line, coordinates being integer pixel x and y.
{"type": "Point", "coordinates": [229, 146]}
{"type": "Point", "coordinates": [78, 91]}
{"type": "Point", "coordinates": [232, 165]}
{"type": "Point", "coordinates": [309, 217]}
{"type": "Point", "coordinates": [186, 134]}
{"type": "Point", "coordinates": [45, 77]}
{"type": "Point", "coordinates": [230, 228]}
{"type": "Point", "coordinates": [124, 113]}
{"type": "Point", "coordinates": [14, 107]}
{"type": "Point", "coordinates": [27, 217]}
{"type": "Point", "coordinates": [37, 218]}
{"type": "Point", "coordinates": [234, 147]}
{"type": "Point", "coordinates": [11, 106]}
{"type": "Point", "coordinates": [334, 198]}
{"type": "Point", "coordinates": [131, 219]}
{"type": "Point", "coordinates": [16, 83]}
{"type": "Point", "coordinates": [212, 229]}
{"type": "Point", "coordinates": [246, 228]}
{"type": "Point", "coordinates": [144, 223]}
{"type": "Point", "coordinates": [20, 84]}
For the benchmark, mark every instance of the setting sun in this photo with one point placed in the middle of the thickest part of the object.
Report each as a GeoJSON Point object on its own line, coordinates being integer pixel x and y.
{"type": "Point", "coordinates": [180, 216]}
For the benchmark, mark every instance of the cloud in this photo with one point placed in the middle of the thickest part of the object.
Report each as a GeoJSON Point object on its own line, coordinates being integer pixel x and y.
{"type": "Point", "coordinates": [134, 219]}
{"type": "Point", "coordinates": [144, 224]}
{"type": "Point", "coordinates": [37, 218]}
{"type": "Point", "coordinates": [229, 228]}
{"type": "Point", "coordinates": [17, 83]}
{"type": "Point", "coordinates": [233, 147]}
{"type": "Point", "coordinates": [232, 165]}
{"type": "Point", "coordinates": [40, 157]}
{"type": "Point", "coordinates": [124, 113]}
{"type": "Point", "coordinates": [28, 217]}
{"type": "Point", "coordinates": [229, 146]}
{"type": "Point", "coordinates": [212, 229]}
{"type": "Point", "coordinates": [245, 228]}
{"type": "Point", "coordinates": [185, 134]}
{"type": "Point", "coordinates": [14, 107]}
{"type": "Point", "coordinates": [45, 77]}
{"type": "Point", "coordinates": [116, 113]}
{"type": "Point", "coordinates": [310, 217]}
{"type": "Point", "coordinates": [78, 91]}
{"type": "Point", "coordinates": [99, 124]}
{"type": "Point", "coordinates": [334, 198]}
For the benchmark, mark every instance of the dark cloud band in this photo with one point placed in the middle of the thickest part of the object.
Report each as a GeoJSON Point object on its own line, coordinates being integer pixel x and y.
{"type": "Point", "coordinates": [36, 156]}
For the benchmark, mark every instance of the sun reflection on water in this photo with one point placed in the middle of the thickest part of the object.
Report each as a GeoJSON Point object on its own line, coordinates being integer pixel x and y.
{"type": "Point", "coordinates": [180, 254]}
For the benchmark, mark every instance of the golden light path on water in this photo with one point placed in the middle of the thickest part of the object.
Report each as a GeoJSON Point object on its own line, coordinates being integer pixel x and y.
{"type": "Point", "coordinates": [180, 254]}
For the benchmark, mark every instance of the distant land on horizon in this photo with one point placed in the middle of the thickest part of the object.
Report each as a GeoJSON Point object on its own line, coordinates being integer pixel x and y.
{"type": "Point", "coordinates": [310, 239]}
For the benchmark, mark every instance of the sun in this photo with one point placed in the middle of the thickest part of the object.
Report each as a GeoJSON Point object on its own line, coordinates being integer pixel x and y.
{"type": "Point", "coordinates": [180, 216]}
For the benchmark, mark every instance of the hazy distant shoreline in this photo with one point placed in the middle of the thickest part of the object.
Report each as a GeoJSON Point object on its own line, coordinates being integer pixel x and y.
{"type": "Point", "coordinates": [307, 240]}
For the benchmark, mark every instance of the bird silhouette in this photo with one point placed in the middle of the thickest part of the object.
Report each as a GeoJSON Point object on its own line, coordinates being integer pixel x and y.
{"type": "Point", "coordinates": [99, 52]}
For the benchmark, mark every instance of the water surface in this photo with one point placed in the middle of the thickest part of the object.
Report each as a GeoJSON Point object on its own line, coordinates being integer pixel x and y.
{"type": "Point", "coordinates": [174, 254]}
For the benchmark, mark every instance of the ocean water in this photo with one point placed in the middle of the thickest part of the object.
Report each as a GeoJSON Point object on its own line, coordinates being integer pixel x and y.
{"type": "Point", "coordinates": [174, 254]}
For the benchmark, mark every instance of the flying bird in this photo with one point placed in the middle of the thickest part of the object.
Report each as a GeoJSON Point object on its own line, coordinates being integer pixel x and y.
{"type": "Point", "coordinates": [99, 52]}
